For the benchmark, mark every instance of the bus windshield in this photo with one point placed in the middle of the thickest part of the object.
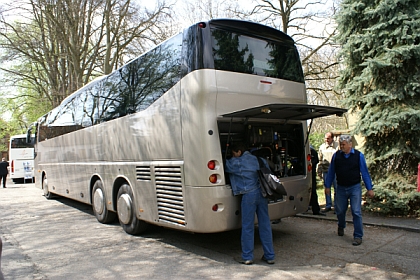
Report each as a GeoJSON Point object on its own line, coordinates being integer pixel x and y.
{"type": "Point", "coordinates": [20, 143]}
{"type": "Point", "coordinates": [240, 53]}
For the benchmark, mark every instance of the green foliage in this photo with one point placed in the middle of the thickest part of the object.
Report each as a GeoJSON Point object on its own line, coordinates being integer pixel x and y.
{"type": "Point", "coordinates": [25, 108]}
{"type": "Point", "coordinates": [381, 82]}
{"type": "Point", "coordinates": [395, 196]}
{"type": "Point", "coordinates": [316, 139]}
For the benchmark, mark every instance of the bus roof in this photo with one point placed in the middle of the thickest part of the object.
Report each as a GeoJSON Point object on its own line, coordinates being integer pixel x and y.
{"type": "Point", "coordinates": [18, 136]}
{"type": "Point", "coordinates": [252, 28]}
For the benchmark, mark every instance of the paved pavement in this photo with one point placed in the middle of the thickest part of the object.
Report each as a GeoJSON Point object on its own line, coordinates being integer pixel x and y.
{"type": "Point", "coordinates": [59, 239]}
{"type": "Point", "coordinates": [372, 219]}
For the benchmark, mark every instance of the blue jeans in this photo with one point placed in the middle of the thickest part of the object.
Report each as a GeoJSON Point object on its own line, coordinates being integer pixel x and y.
{"type": "Point", "coordinates": [328, 199]}
{"type": "Point", "coordinates": [354, 194]}
{"type": "Point", "coordinates": [253, 202]}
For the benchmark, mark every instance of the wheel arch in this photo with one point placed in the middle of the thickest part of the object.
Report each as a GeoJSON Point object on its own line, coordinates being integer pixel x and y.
{"type": "Point", "coordinates": [119, 181]}
{"type": "Point", "coordinates": [94, 178]}
{"type": "Point", "coordinates": [43, 175]}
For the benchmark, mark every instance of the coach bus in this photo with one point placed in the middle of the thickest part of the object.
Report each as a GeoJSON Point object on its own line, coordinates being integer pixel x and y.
{"type": "Point", "coordinates": [147, 143]}
{"type": "Point", "coordinates": [21, 158]}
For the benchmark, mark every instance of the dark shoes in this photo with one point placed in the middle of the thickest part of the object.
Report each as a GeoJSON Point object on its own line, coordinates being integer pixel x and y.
{"type": "Point", "coordinates": [249, 262]}
{"type": "Point", "coordinates": [320, 214]}
{"type": "Point", "coordinates": [246, 262]}
{"type": "Point", "coordinates": [357, 241]}
{"type": "Point", "coordinates": [267, 261]}
{"type": "Point", "coordinates": [326, 210]}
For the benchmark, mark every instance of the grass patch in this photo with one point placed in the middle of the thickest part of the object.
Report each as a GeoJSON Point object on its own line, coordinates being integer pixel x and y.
{"type": "Point", "coordinates": [320, 192]}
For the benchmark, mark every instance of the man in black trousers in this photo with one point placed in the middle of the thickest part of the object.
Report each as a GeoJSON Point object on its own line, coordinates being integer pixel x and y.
{"type": "Point", "coordinates": [4, 170]}
{"type": "Point", "coordinates": [314, 196]}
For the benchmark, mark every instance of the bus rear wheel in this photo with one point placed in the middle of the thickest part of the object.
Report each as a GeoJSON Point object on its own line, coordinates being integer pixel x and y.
{"type": "Point", "coordinates": [47, 193]}
{"type": "Point", "coordinates": [102, 214]}
{"type": "Point", "coordinates": [126, 209]}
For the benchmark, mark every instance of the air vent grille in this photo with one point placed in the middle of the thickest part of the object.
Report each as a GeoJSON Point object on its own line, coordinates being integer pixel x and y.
{"type": "Point", "coordinates": [169, 194]}
{"type": "Point", "coordinates": [143, 173]}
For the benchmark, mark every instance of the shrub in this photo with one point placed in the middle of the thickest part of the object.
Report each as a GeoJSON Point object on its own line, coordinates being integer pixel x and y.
{"type": "Point", "coordinates": [394, 196]}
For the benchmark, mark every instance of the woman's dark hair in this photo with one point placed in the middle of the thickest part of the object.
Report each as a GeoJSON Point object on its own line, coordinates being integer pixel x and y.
{"type": "Point", "coordinates": [238, 147]}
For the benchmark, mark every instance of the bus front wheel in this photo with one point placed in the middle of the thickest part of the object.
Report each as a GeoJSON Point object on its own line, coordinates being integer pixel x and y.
{"type": "Point", "coordinates": [102, 214]}
{"type": "Point", "coordinates": [126, 209]}
{"type": "Point", "coordinates": [47, 193]}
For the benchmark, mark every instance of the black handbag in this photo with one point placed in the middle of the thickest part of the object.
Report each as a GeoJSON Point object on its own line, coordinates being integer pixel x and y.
{"type": "Point", "coordinates": [271, 187]}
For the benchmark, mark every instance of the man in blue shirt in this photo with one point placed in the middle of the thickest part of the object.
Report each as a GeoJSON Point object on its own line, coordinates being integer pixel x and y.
{"type": "Point", "coordinates": [347, 165]}
{"type": "Point", "coordinates": [243, 172]}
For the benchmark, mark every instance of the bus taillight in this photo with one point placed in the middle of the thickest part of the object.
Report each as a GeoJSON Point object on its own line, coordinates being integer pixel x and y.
{"type": "Point", "coordinates": [213, 178]}
{"type": "Point", "coordinates": [211, 165]}
{"type": "Point", "coordinates": [309, 167]}
{"type": "Point", "coordinates": [218, 207]}
{"type": "Point", "coordinates": [309, 158]}
{"type": "Point", "coordinates": [12, 166]}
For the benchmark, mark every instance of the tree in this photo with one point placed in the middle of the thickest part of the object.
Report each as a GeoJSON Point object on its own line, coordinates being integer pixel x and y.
{"type": "Point", "coordinates": [297, 18]}
{"type": "Point", "coordinates": [381, 82]}
{"type": "Point", "coordinates": [194, 11]}
{"type": "Point", "coordinates": [57, 47]}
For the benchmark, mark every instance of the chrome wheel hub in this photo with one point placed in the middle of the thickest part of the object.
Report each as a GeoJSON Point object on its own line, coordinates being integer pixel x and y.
{"type": "Point", "coordinates": [124, 206]}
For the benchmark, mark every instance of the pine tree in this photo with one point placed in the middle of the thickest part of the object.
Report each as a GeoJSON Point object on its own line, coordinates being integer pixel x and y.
{"type": "Point", "coordinates": [381, 83]}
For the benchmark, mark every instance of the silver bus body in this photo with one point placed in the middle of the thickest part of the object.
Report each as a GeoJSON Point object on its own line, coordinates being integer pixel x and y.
{"type": "Point", "coordinates": [161, 153]}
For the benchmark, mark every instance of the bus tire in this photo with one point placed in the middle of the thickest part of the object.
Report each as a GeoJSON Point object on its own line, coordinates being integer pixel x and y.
{"type": "Point", "coordinates": [47, 193]}
{"type": "Point", "coordinates": [126, 209]}
{"type": "Point", "coordinates": [102, 214]}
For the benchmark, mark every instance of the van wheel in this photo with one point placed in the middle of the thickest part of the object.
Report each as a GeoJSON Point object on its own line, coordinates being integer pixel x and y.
{"type": "Point", "coordinates": [47, 193]}
{"type": "Point", "coordinates": [102, 214]}
{"type": "Point", "coordinates": [126, 209]}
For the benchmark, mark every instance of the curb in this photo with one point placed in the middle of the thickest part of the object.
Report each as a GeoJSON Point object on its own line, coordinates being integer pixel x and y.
{"type": "Point", "coordinates": [376, 224]}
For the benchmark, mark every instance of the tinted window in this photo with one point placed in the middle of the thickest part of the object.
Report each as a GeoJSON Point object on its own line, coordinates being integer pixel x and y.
{"type": "Point", "coordinates": [130, 89]}
{"type": "Point", "coordinates": [240, 53]}
{"type": "Point", "coordinates": [18, 143]}
{"type": "Point", "coordinates": [140, 83]}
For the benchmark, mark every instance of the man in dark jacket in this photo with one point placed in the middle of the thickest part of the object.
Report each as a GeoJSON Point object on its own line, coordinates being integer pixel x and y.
{"type": "Point", "coordinates": [314, 196]}
{"type": "Point", "coordinates": [4, 170]}
{"type": "Point", "coordinates": [349, 165]}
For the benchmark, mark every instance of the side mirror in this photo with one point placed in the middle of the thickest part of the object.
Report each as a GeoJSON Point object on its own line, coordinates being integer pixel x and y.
{"type": "Point", "coordinates": [28, 135]}
{"type": "Point", "coordinates": [29, 132]}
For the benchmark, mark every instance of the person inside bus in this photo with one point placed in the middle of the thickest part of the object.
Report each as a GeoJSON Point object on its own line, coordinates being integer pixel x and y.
{"type": "Point", "coordinates": [243, 172]}
{"type": "Point", "coordinates": [349, 164]}
{"type": "Point", "coordinates": [4, 170]}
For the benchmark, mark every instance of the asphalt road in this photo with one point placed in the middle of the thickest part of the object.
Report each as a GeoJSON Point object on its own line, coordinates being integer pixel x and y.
{"type": "Point", "coordinates": [61, 239]}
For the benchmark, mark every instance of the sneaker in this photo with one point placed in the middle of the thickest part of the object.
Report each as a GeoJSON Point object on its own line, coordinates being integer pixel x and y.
{"type": "Point", "coordinates": [340, 231]}
{"type": "Point", "coordinates": [357, 241]}
{"type": "Point", "coordinates": [267, 261]}
{"type": "Point", "coordinates": [246, 262]}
